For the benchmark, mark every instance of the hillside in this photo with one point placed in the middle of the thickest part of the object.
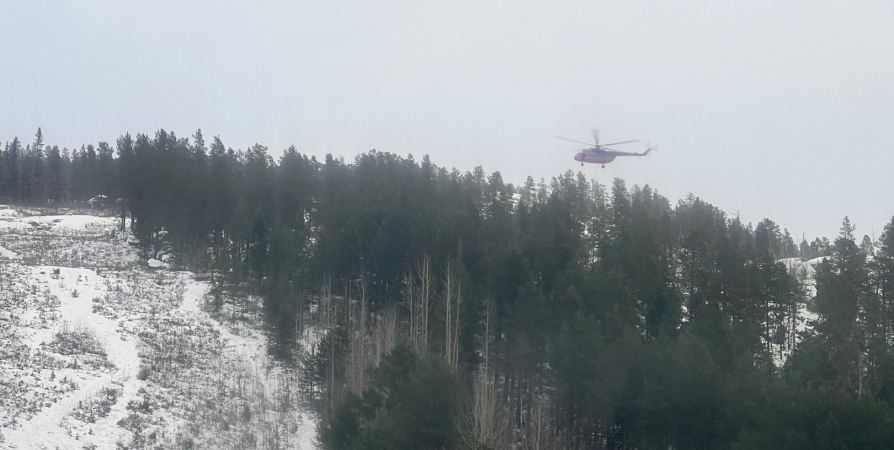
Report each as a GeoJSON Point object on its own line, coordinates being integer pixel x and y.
{"type": "Point", "coordinates": [100, 351]}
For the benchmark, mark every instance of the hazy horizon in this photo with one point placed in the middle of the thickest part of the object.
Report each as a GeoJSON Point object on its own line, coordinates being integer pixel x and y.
{"type": "Point", "coordinates": [769, 110]}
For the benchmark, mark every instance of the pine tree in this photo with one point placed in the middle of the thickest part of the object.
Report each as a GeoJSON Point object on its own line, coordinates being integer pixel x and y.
{"type": "Point", "coordinates": [106, 177]}
{"type": "Point", "coordinates": [55, 180]}
{"type": "Point", "coordinates": [841, 285]}
{"type": "Point", "coordinates": [3, 172]}
{"type": "Point", "coordinates": [38, 175]}
{"type": "Point", "coordinates": [885, 279]}
{"type": "Point", "coordinates": [198, 185]}
{"type": "Point", "coordinates": [91, 185]}
{"type": "Point", "coordinates": [13, 153]}
{"type": "Point", "coordinates": [126, 175]}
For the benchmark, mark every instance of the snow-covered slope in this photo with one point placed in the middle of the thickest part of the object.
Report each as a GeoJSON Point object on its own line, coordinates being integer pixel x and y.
{"type": "Point", "coordinates": [804, 270]}
{"type": "Point", "coordinates": [98, 351]}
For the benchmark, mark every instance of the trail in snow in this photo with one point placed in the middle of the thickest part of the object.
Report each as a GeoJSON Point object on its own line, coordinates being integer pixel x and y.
{"type": "Point", "coordinates": [46, 429]}
{"type": "Point", "coordinates": [116, 305]}
{"type": "Point", "coordinates": [247, 345]}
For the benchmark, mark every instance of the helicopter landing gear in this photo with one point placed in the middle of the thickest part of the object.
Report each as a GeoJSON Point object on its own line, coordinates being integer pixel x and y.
{"type": "Point", "coordinates": [603, 166]}
{"type": "Point", "coordinates": [581, 164]}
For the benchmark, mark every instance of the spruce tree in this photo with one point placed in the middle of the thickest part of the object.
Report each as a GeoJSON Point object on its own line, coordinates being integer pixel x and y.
{"type": "Point", "coordinates": [13, 168]}
{"type": "Point", "coordinates": [841, 292]}
{"type": "Point", "coordinates": [55, 180]}
{"type": "Point", "coordinates": [38, 175]}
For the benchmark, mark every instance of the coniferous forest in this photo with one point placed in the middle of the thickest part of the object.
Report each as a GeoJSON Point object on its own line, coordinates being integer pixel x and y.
{"type": "Point", "coordinates": [456, 310]}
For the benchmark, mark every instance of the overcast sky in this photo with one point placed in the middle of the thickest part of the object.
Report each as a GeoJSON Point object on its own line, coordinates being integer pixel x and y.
{"type": "Point", "coordinates": [773, 109]}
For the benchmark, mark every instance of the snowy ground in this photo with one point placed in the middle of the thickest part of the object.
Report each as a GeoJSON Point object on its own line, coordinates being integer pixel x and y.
{"type": "Point", "coordinates": [100, 351]}
{"type": "Point", "coordinates": [804, 271]}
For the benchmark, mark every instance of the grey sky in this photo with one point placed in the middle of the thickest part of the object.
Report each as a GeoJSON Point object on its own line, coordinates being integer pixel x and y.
{"type": "Point", "coordinates": [773, 109]}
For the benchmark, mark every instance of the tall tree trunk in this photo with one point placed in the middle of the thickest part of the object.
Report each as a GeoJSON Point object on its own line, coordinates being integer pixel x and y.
{"type": "Point", "coordinates": [410, 297]}
{"type": "Point", "coordinates": [424, 274]}
{"type": "Point", "coordinates": [448, 300]}
{"type": "Point", "coordinates": [459, 299]}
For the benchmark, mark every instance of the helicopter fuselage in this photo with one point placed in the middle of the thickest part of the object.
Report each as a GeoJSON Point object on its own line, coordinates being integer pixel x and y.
{"type": "Point", "coordinates": [594, 156]}
{"type": "Point", "coordinates": [602, 154]}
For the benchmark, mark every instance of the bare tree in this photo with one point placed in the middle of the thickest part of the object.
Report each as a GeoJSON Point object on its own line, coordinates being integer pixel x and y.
{"type": "Point", "coordinates": [385, 336]}
{"type": "Point", "coordinates": [410, 291]}
{"type": "Point", "coordinates": [357, 360]}
{"type": "Point", "coordinates": [486, 422]}
{"type": "Point", "coordinates": [323, 309]}
{"type": "Point", "coordinates": [426, 286]}
{"type": "Point", "coordinates": [459, 303]}
{"type": "Point", "coordinates": [452, 304]}
{"type": "Point", "coordinates": [540, 430]}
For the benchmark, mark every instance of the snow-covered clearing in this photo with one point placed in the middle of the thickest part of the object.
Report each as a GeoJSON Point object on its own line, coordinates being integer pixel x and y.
{"type": "Point", "coordinates": [99, 351]}
{"type": "Point", "coordinates": [803, 271]}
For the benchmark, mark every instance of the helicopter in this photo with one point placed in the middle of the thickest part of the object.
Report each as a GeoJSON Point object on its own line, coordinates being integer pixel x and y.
{"type": "Point", "coordinates": [602, 154]}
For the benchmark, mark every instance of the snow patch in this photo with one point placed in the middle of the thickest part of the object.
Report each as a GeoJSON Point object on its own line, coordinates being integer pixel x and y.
{"type": "Point", "coordinates": [9, 254]}
{"type": "Point", "coordinates": [156, 264]}
{"type": "Point", "coordinates": [74, 221]}
{"type": "Point", "coordinates": [804, 271]}
{"type": "Point", "coordinates": [59, 223]}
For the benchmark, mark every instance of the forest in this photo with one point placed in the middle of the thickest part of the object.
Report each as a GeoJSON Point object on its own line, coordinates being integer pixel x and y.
{"type": "Point", "coordinates": [457, 310]}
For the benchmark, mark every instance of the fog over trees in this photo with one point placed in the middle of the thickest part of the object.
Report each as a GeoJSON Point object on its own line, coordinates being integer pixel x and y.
{"type": "Point", "coordinates": [456, 310]}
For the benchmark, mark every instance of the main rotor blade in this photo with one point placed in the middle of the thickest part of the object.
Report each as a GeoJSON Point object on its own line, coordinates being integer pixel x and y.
{"type": "Point", "coordinates": [572, 140]}
{"type": "Point", "coordinates": [624, 142]}
{"type": "Point", "coordinates": [595, 133]}
{"type": "Point", "coordinates": [620, 153]}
